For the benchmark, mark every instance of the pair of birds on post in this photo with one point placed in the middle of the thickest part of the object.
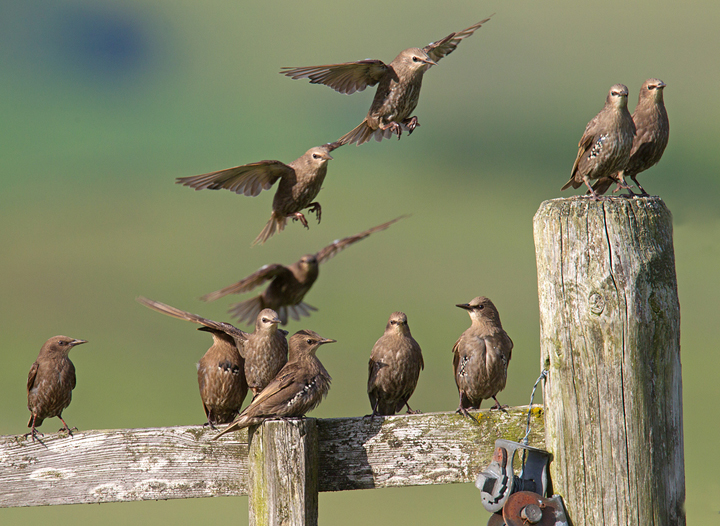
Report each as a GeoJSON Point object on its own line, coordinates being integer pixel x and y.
{"type": "Point", "coordinates": [398, 91]}
{"type": "Point", "coordinates": [616, 144]}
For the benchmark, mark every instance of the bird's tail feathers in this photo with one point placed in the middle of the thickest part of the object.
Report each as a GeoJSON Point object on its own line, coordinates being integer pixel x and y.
{"type": "Point", "coordinates": [572, 182]}
{"type": "Point", "coordinates": [297, 311]}
{"type": "Point", "coordinates": [247, 311]}
{"type": "Point", "coordinates": [360, 134]}
{"type": "Point", "coordinates": [240, 423]}
{"type": "Point", "coordinates": [276, 224]}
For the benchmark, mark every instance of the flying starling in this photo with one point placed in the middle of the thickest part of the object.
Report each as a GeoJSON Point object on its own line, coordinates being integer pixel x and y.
{"type": "Point", "coordinates": [481, 356]}
{"type": "Point", "coordinates": [298, 388]}
{"type": "Point", "coordinates": [300, 183]}
{"type": "Point", "coordinates": [50, 382]}
{"type": "Point", "coordinates": [398, 85]}
{"type": "Point", "coordinates": [288, 285]}
{"type": "Point", "coordinates": [221, 371]}
{"type": "Point", "coordinates": [394, 368]}
{"type": "Point", "coordinates": [605, 146]}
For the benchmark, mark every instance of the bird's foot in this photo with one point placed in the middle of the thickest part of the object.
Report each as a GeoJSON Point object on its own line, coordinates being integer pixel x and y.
{"type": "Point", "coordinates": [208, 423]}
{"type": "Point", "coordinates": [394, 127]}
{"type": "Point", "coordinates": [642, 193]}
{"type": "Point", "coordinates": [317, 209]}
{"type": "Point", "coordinates": [411, 411]}
{"type": "Point", "coordinates": [68, 430]}
{"type": "Point", "coordinates": [298, 216]}
{"type": "Point", "coordinates": [498, 406]}
{"type": "Point", "coordinates": [411, 124]}
{"type": "Point", "coordinates": [34, 435]}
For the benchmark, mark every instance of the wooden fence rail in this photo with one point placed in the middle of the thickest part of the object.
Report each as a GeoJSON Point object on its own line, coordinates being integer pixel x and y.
{"type": "Point", "coordinates": [182, 462]}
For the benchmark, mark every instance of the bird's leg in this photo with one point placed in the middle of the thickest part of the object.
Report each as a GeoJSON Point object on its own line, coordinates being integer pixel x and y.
{"type": "Point", "coordinates": [411, 124]}
{"type": "Point", "coordinates": [315, 207]}
{"type": "Point", "coordinates": [643, 193]}
{"type": "Point", "coordinates": [298, 216]}
{"type": "Point", "coordinates": [394, 127]}
{"type": "Point", "coordinates": [66, 428]}
{"type": "Point", "coordinates": [411, 411]}
{"type": "Point", "coordinates": [593, 194]}
{"type": "Point", "coordinates": [498, 406]}
{"type": "Point", "coordinates": [34, 432]}
{"type": "Point", "coordinates": [209, 423]}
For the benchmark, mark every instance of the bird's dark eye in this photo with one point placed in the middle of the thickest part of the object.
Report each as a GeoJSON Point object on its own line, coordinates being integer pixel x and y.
{"type": "Point", "coordinates": [265, 320]}
{"type": "Point", "coordinates": [415, 59]}
{"type": "Point", "coordinates": [316, 156]}
{"type": "Point", "coordinates": [62, 342]}
{"type": "Point", "coordinates": [309, 341]}
{"type": "Point", "coordinates": [393, 322]}
{"type": "Point", "coordinates": [481, 307]}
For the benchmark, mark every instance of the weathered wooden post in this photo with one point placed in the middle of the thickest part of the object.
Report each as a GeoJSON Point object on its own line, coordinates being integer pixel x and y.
{"type": "Point", "coordinates": [610, 338]}
{"type": "Point", "coordinates": [283, 469]}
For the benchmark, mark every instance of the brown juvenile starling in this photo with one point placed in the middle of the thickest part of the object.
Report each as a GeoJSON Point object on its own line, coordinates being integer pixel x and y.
{"type": "Point", "coordinates": [263, 352]}
{"type": "Point", "coordinates": [394, 368]}
{"type": "Point", "coordinates": [605, 146]}
{"type": "Point", "coordinates": [221, 371]}
{"type": "Point", "coordinates": [50, 382]}
{"type": "Point", "coordinates": [288, 285]}
{"type": "Point", "coordinates": [481, 356]}
{"type": "Point", "coordinates": [298, 388]}
{"type": "Point", "coordinates": [300, 182]}
{"type": "Point", "coordinates": [398, 85]}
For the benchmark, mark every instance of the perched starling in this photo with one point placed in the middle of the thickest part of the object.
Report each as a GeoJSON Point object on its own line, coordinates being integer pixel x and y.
{"type": "Point", "coordinates": [50, 382]}
{"type": "Point", "coordinates": [605, 146]}
{"type": "Point", "coordinates": [288, 285]}
{"type": "Point", "coordinates": [652, 132]}
{"type": "Point", "coordinates": [266, 351]}
{"type": "Point", "coordinates": [481, 356]}
{"type": "Point", "coordinates": [262, 353]}
{"type": "Point", "coordinates": [398, 85]}
{"type": "Point", "coordinates": [300, 182]}
{"type": "Point", "coordinates": [221, 371]}
{"type": "Point", "coordinates": [298, 388]}
{"type": "Point", "coordinates": [394, 368]}
{"type": "Point", "coordinates": [221, 379]}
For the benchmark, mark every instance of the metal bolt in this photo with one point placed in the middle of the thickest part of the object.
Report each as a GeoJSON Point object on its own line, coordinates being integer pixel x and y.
{"type": "Point", "coordinates": [531, 513]}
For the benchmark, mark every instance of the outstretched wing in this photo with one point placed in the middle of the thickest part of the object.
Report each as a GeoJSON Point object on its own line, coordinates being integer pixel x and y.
{"type": "Point", "coordinates": [188, 316]}
{"type": "Point", "coordinates": [437, 50]}
{"type": "Point", "coordinates": [336, 246]}
{"type": "Point", "coordinates": [248, 179]}
{"type": "Point", "coordinates": [347, 77]}
{"type": "Point", "coordinates": [255, 279]}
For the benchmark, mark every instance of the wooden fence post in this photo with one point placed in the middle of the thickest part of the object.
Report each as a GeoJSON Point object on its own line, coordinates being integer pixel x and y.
{"type": "Point", "coordinates": [283, 469]}
{"type": "Point", "coordinates": [610, 337]}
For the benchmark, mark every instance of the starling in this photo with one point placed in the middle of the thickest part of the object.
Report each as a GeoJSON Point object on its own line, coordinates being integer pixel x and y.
{"type": "Point", "coordinates": [481, 356]}
{"type": "Point", "coordinates": [300, 182]}
{"type": "Point", "coordinates": [262, 353]}
{"type": "Point", "coordinates": [221, 371]}
{"type": "Point", "coordinates": [50, 382]}
{"type": "Point", "coordinates": [398, 85]}
{"type": "Point", "coordinates": [298, 388]}
{"type": "Point", "coordinates": [266, 351]}
{"type": "Point", "coordinates": [652, 130]}
{"type": "Point", "coordinates": [288, 285]}
{"type": "Point", "coordinates": [221, 379]}
{"type": "Point", "coordinates": [605, 146]}
{"type": "Point", "coordinates": [394, 368]}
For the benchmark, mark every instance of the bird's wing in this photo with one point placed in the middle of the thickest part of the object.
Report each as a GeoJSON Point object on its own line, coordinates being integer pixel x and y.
{"type": "Point", "coordinates": [347, 77]}
{"type": "Point", "coordinates": [336, 246]}
{"type": "Point", "coordinates": [255, 279]}
{"type": "Point", "coordinates": [248, 179]}
{"type": "Point", "coordinates": [437, 50]}
{"type": "Point", "coordinates": [416, 348]}
{"type": "Point", "coordinates": [31, 376]}
{"type": "Point", "coordinates": [281, 388]}
{"type": "Point", "coordinates": [586, 142]}
{"type": "Point", "coordinates": [188, 316]}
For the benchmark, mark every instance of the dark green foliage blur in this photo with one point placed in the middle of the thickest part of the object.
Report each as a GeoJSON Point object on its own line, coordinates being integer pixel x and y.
{"type": "Point", "coordinates": [104, 103]}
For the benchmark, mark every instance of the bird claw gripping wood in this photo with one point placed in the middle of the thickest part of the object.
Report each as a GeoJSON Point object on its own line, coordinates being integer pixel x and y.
{"type": "Point", "coordinates": [498, 486]}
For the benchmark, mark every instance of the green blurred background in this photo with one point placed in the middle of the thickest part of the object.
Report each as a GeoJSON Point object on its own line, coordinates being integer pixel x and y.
{"type": "Point", "coordinates": [104, 103]}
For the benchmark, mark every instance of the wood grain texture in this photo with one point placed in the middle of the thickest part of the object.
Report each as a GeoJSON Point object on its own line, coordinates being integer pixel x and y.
{"type": "Point", "coordinates": [182, 462]}
{"type": "Point", "coordinates": [284, 473]}
{"type": "Point", "coordinates": [610, 337]}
